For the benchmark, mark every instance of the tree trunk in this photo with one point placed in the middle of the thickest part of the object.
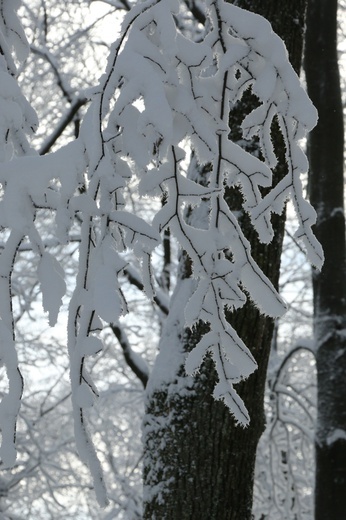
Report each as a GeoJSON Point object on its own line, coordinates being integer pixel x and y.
{"type": "Point", "coordinates": [326, 182]}
{"type": "Point", "coordinates": [197, 463]}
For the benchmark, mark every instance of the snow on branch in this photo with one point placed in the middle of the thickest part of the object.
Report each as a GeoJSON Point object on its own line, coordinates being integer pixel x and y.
{"type": "Point", "coordinates": [17, 119]}
{"type": "Point", "coordinates": [159, 91]}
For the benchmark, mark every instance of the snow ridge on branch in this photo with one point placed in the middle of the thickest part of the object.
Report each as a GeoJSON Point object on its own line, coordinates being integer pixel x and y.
{"type": "Point", "coordinates": [159, 91]}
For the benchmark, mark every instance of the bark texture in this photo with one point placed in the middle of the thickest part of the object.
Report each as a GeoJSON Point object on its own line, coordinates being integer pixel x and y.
{"type": "Point", "coordinates": [197, 463]}
{"type": "Point", "coordinates": [326, 149]}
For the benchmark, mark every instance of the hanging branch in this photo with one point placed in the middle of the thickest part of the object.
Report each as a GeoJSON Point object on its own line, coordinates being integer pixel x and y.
{"type": "Point", "coordinates": [159, 91]}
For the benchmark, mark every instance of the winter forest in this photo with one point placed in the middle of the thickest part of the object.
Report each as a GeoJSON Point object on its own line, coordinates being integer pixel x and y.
{"type": "Point", "coordinates": [172, 260]}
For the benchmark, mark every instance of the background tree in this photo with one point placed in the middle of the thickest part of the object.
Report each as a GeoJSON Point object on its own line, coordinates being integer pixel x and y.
{"type": "Point", "coordinates": [326, 186]}
{"type": "Point", "coordinates": [284, 478]}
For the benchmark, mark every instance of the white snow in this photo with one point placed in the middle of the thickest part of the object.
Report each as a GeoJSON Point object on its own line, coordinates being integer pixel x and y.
{"type": "Point", "coordinates": [184, 91]}
{"type": "Point", "coordinates": [51, 277]}
{"type": "Point", "coordinates": [335, 436]}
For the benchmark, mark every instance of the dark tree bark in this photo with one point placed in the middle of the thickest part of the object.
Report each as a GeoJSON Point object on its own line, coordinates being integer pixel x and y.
{"type": "Point", "coordinates": [198, 464]}
{"type": "Point", "coordinates": [325, 150]}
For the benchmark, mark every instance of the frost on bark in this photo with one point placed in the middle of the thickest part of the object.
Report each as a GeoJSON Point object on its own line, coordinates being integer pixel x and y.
{"type": "Point", "coordinates": [326, 181]}
{"type": "Point", "coordinates": [192, 445]}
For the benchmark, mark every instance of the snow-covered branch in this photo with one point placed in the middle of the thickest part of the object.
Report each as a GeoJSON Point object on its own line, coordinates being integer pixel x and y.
{"type": "Point", "coordinates": [133, 360]}
{"type": "Point", "coordinates": [160, 93]}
